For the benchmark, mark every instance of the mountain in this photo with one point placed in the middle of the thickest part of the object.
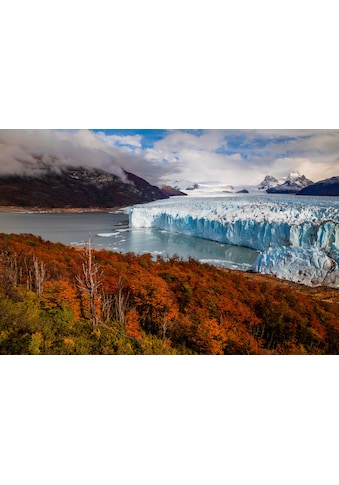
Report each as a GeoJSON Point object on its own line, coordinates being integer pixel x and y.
{"type": "Point", "coordinates": [327, 187]}
{"type": "Point", "coordinates": [170, 191]}
{"type": "Point", "coordinates": [76, 187]}
{"type": "Point", "coordinates": [183, 185]}
{"type": "Point", "coordinates": [293, 184]}
{"type": "Point", "coordinates": [268, 182]}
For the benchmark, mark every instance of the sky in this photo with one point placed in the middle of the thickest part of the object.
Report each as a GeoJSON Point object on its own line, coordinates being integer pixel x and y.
{"type": "Point", "coordinates": [162, 156]}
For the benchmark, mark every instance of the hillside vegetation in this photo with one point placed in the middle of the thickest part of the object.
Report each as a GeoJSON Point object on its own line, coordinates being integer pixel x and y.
{"type": "Point", "coordinates": [59, 300]}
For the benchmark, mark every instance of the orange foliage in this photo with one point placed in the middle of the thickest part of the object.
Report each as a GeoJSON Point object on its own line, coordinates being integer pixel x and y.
{"type": "Point", "coordinates": [132, 324]}
{"type": "Point", "coordinates": [186, 305]}
{"type": "Point", "coordinates": [60, 294]}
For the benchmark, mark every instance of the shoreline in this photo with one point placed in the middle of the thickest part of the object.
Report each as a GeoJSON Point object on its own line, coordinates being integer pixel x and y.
{"type": "Point", "coordinates": [76, 210]}
{"type": "Point", "coordinates": [321, 292]}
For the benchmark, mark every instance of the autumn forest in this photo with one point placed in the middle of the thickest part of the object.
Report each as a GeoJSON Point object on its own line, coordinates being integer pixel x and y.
{"type": "Point", "coordinates": [56, 299]}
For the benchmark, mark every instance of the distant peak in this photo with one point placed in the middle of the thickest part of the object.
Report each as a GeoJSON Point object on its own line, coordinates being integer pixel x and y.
{"type": "Point", "coordinates": [291, 184]}
{"type": "Point", "coordinates": [269, 181]}
{"type": "Point", "coordinates": [293, 175]}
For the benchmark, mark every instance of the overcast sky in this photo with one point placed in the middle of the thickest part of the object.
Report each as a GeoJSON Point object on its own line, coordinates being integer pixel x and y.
{"type": "Point", "coordinates": [160, 156]}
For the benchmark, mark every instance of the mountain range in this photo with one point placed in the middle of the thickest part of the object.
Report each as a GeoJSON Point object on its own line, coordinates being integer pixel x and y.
{"type": "Point", "coordinates": [294, 183]}
{"type": "Point", "coordinates": [78, 187]}
{"type": "Point", "coordinates": [300, 185]}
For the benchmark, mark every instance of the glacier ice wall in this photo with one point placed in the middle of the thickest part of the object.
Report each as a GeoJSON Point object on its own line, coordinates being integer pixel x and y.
{"type": "Point", "coordinates": [309, 266]}
{"type": "Point", "coordinates": [271, 224]}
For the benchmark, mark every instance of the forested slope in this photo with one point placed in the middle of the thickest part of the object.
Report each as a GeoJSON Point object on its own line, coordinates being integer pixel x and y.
{"type": "Point", "coordinates": [59, 300]}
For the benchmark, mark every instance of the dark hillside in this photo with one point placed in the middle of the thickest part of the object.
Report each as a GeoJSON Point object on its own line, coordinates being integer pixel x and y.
{"type": "Point", "coordinates": [75, 188]}
{"type": "Point", "coordinates": [328, 187]}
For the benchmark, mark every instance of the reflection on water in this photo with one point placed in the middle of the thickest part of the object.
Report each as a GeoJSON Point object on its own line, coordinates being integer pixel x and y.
{"type": "Point", "coordinates": [168, 244]}
{"type": "Point", "coordinates": [111, 231]}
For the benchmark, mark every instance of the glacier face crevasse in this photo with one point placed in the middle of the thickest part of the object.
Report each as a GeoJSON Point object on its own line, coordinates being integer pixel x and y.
{"type": "Point", "coordinates": [299, 239]}
{"type": "Point", "coordinates": [310, 266]}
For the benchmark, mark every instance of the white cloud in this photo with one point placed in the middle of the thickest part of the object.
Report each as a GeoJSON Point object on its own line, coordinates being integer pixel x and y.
{"type": "Point", "coordinates": [225, 156]}
{"type": "Point", "coordinates": [118, 140]}
{"type": "Point", "coordinates": [76, 148]}
{"type": "Point", "coordinates": [277, 152]}
{"type": "Point", "coordinates": [56, 148]}
{"type": "Point", "coordinates": [239, 156]}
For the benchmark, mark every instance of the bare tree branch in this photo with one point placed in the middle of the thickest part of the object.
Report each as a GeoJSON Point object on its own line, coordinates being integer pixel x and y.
{"type": "Point", "coordinates": [89, 281]}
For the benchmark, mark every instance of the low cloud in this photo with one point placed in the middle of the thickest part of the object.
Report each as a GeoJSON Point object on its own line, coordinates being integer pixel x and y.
{"type": "Point", "coordinates": [28, 151]}
{"type": "Point", "coordinates": [21, 149]}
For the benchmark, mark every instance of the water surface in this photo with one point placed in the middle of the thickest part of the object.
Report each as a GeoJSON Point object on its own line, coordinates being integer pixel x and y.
{"type": "Point", "coordinates": [111, 231]}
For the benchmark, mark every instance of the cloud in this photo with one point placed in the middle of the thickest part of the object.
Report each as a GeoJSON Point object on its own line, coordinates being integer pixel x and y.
{"type": "Point", "coordinates": [246, 156]}
{"type": "Point", "coordinates": [133, 141]}
{"type": "Point", "coordinates": [223, 156]}
{"type": "Point", "coordinates": [19, 150]}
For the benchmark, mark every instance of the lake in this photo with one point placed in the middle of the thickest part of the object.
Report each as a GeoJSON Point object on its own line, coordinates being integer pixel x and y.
{"type": "Point", "coordinates": [110, 230]}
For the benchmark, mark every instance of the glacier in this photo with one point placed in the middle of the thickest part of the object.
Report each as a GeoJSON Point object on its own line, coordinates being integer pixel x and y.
{"type": "Point", "coordinates": [309, 266]}
{"type": "Point", "coordinates": [298, 238]}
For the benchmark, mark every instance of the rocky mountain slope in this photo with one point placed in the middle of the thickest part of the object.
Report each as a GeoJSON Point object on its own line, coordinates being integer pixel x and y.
{"type": "Point", "coordinates": [171, 191]}
{"type": "Point", "coordinates": [268, 182]}
{"type": "Point", "coordinates": [76, 187]}
{"type": "Point", "coordinates": [293, 184]}
{"type": "Point", "coordinates": [329, 187]}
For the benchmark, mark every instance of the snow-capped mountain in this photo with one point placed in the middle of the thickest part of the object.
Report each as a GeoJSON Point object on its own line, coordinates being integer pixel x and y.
{"type": "Point", "coordinates": [329, 187]}
{"type": "Point", "coordinates": [293, 184]}
{"type": "Point", "coordinates": [268, 182]}
{"type": "Point", "coordinates": [209, 189]}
